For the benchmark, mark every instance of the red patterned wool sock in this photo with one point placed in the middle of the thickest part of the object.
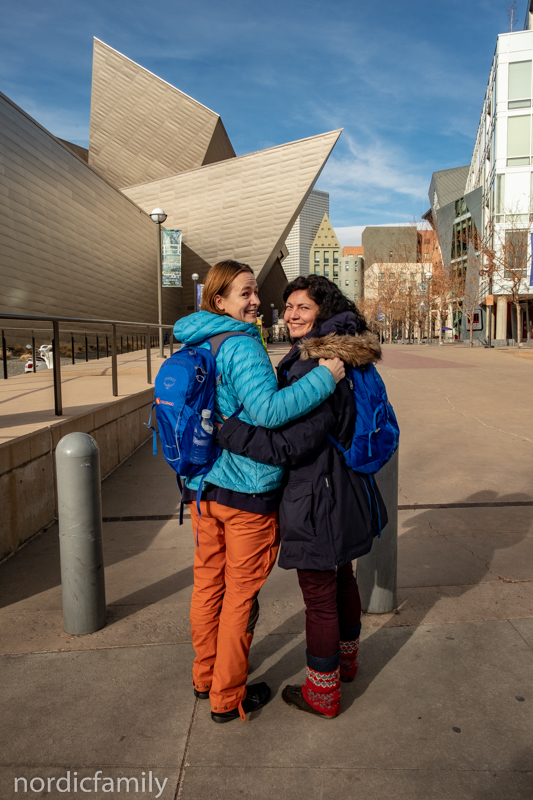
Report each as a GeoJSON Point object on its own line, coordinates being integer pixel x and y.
{"type": "Point", "coordinates": [348, 663]}
{"type": "Point", "coordinates": [322, 687]}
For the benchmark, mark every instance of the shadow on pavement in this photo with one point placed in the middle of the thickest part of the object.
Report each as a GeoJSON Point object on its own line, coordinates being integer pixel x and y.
{"type": "Point", "coordinates": [458, 570]}
{"type": "Point", "coordinates": [378, 649]}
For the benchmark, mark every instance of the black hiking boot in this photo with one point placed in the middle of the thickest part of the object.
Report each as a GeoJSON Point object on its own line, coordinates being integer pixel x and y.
{"type": "Point", "coordinates": [257, 696]}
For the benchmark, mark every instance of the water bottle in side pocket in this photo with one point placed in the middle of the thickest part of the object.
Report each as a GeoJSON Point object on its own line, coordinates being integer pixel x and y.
{"type": "Point", "coordinates": [202, 439]}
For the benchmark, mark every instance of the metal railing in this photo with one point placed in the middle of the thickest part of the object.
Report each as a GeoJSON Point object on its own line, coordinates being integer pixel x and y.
{"type": "Point", "coordinates": [113, 323]}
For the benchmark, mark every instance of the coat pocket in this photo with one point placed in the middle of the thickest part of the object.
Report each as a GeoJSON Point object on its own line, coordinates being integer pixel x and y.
{"type": "Point", "coordinates": [296, 512]}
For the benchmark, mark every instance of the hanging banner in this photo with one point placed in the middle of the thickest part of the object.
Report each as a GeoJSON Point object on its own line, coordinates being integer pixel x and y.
{"type": "Point", "coordinates": [171, 258]}
{"type": "Point", "coordinates": [199, 292]}
{"type": "Point", "coordinates": [531, 273]}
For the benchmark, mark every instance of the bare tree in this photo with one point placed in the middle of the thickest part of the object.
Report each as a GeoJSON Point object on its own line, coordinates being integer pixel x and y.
{"type": "Point", "coordinates": [509, 256]}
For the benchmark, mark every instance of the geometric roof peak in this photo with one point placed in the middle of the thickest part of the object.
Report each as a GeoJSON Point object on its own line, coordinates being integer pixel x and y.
{"type": "Point", "coordinates": [325, 236]}
{"type": "Point", "coordinates": [242, 208]}
{"type": "Point", "coordinates": [142, 128]}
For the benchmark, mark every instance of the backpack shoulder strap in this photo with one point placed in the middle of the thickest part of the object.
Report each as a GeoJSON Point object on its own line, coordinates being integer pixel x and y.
{"type": "Point", "coordinates": [215, 342]}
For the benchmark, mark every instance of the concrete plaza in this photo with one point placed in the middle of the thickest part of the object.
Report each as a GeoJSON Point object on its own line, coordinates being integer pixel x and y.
{"type": "Point", "coordinates": [442, 706]}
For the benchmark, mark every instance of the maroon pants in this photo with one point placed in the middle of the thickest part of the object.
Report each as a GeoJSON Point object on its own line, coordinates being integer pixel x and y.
{"type": "Point", "coordinates": [332, 607]}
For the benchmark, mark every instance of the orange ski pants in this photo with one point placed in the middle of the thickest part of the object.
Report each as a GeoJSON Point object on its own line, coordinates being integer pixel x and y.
{"type": "Point", "coordinates": [235, 555]}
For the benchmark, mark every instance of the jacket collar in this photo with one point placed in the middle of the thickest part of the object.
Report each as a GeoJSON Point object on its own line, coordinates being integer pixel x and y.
{"type": "Point", "coordinates": [337, 337]}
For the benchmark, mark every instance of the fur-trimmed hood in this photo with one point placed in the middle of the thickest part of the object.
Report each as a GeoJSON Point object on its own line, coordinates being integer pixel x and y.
{"type": "Point", "coordinates": [356, 350]}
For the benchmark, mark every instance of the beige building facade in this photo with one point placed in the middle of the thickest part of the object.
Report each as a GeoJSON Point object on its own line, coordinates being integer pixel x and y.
{"type": "Point", "coordinates": [76, 238]}
{"type": "Point", "coordinates": [327, 258]}
{"type": "Point", "coordinates": [70, 243]}
{"type": "Point", "coordinates": [351, 277]}
{"type": "Point", "coordinates": [324, 258]}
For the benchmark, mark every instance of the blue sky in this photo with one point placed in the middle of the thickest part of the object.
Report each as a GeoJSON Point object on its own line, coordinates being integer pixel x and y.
{"type": "Point", "coordinates": [405, 80]}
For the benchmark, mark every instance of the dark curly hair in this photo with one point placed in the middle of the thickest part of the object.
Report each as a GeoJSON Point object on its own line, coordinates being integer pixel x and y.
{"type": "Point", "coordinates": [326, 295]}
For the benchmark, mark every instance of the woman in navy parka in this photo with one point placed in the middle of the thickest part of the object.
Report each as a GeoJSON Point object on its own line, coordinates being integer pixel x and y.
{"type": "Point", "coordinates": [328, 516]}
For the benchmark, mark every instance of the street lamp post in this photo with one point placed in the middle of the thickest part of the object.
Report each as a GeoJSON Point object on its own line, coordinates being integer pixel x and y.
{"type": "Point", "coordinates": [421, 307]}
{"type": "Point", "coordinates": [428, 279]}
{"type": "Point", "coordinates": [158, 216]}
{"type": "Point", "coordinates": [195, 277]}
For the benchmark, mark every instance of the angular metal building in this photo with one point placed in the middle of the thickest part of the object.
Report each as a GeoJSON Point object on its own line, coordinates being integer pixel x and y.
{"type": "Point", "coordinates": [242, 208]}
{"type": "Point", "coordinates": [150, 145]}
{"type": "Point", "coordinates": [142, 128]}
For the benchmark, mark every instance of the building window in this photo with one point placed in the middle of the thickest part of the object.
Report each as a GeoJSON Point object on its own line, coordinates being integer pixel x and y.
{"type": "Point", "coordinates": [500, 194]}
{"type": "Point", "coordinates": [460, 207]}
{"type": "Point", "coordinates": [381, 275]}
{"type": "Point", "coordinates": [317, 256]}
{"type": "Point", "coordinates": [326, 256]}
{"type": "Point", "coordinates": [336, 272]}
{"type": "Point", "coordinates": [520, 84]}
{"type": "Point", "coordinates": [335, 256]}
{"type": "Point", "coordinates": [347, 283]}
{"type": "Point", "coordinates": [426, 256]}
{"type": "Point", "coordinates": [516, 253]}
{"type": "Point", "coordinates": [518, 140]}
{"type": "Point", "coordinates": [326, 273]}
{"type": "Point", "coordinates": [347, 268]}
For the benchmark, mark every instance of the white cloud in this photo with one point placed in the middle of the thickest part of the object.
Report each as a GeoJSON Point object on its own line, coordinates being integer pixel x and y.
{"type": "Point", "coordinates": [350, 236]}
{"type": "Point", "coordinates": [375, 166]}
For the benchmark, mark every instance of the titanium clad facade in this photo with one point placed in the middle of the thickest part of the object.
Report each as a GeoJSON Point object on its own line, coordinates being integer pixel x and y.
{"type": "Point", "coordinates": [242, 208]}
{"type": "Point", "coordinates": [303, 232]}
{"type": "Point", "coordinates": [142, 128]}
{"type": "Point", "coordinates": [70, 244]}
{"type": "Point", "coordinates": [75, 242]}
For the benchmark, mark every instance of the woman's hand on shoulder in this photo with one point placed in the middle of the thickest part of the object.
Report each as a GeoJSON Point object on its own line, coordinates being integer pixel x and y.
{"type": "Point", "coordinates": [335, 366]}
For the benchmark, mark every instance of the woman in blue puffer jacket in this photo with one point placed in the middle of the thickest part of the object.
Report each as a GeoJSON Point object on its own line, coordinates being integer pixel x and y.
{"type": "Point", "coordinates": [237, 532]}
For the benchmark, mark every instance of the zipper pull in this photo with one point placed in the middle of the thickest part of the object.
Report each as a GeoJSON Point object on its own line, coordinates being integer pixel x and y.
{"type": "Point", "coordinates": [327, 483]}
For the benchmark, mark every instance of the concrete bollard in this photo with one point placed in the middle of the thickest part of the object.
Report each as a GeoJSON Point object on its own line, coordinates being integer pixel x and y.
{"type": "Point", "coordinates": [80, 533]}
{"type": "Point", "coordinates": [377, 576]}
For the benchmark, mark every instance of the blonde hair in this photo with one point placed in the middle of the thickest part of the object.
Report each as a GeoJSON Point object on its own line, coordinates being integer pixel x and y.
{"type": "Point", "coordinates": [218, 282]}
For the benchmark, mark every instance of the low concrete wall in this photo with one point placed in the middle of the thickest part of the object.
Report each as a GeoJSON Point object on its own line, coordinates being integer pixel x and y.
{"type": "Point", "coordinates": [27, 464]}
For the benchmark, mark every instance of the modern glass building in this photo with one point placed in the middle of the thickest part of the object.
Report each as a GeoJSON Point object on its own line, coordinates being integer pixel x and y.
{"type": "Point", "coordinates": [483, 212]}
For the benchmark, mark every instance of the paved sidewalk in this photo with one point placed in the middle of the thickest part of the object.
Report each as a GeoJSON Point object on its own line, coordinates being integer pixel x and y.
{"type": "Point", "coordinates": [443, 704]}
{"type": "Point", "coordinates": [27, 401]}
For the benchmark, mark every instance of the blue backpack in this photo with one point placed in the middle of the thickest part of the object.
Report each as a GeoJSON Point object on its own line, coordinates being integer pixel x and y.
{"type": "Point", "coordinates": [377, 432]}
{"type": "Point", "coordinates": [184, 387]}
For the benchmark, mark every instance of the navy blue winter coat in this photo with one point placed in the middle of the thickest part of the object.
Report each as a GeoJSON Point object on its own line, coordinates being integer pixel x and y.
{"type": "Point", "coordinates": [328, 513]}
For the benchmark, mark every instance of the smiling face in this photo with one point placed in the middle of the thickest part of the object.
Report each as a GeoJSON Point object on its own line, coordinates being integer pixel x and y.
{"type": "Point", "coordinates": [300, 314]}
{"type": "Point", "coordinates": [242, 300]}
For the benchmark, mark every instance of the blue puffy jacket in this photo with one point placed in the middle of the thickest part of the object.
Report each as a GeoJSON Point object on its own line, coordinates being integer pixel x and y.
{"type": "Point", "coordinates": [247, 379]}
